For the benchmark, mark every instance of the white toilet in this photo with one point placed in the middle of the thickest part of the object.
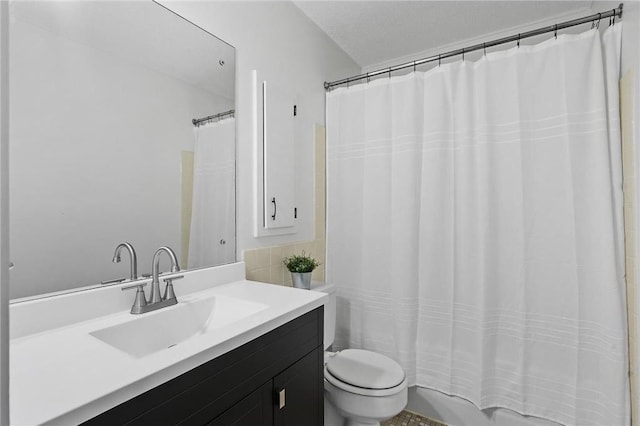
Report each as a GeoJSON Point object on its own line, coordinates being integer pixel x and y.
{"type": "Point", "coordinates": [360, 387]}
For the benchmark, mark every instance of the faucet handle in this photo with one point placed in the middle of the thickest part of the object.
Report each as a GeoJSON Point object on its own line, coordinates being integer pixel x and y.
{"type": "Point", "coordinates": [171, 278]}
{"type": "Point", "coordinates": [138, 286]}
{"type": "Point", "coordinates": [117, 280]}
{"type": "Point", "coordinates": [141, 301]}
{"type": "Point", "coordinates": [168, 290]}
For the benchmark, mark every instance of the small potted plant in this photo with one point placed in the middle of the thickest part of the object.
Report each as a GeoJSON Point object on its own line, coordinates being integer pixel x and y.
{"type": "Point", "coordinates": [301, 266]}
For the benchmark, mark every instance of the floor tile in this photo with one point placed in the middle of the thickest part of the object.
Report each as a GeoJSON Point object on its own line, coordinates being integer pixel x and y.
{"type": "Point", "coordinates": [407, 418]}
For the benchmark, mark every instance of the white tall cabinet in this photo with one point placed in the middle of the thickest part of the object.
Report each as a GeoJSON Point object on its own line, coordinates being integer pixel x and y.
{"type": "Point", "coordinates": [274, 112]}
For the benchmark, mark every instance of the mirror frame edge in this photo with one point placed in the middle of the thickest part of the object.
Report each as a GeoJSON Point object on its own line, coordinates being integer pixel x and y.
{"type": "Point", "coordinates": [4, 212]}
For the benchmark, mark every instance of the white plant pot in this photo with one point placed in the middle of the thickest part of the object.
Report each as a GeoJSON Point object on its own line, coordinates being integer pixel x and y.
{"type": "Point", "coordinates": [301, 279]}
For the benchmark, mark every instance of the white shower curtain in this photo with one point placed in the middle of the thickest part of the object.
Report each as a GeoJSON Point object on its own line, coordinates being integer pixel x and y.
{"type": "Point", "coordinates": [475, 232]}
{"type": "Point", "coordinates": [212, 234]}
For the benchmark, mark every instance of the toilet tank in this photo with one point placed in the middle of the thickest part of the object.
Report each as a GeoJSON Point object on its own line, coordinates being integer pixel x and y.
{"type": "Point", "coordinates": [329, 311]}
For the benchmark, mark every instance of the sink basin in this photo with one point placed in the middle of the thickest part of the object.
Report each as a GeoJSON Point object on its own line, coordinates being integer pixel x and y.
{"type": "Point", "coordinates": [167, 327]}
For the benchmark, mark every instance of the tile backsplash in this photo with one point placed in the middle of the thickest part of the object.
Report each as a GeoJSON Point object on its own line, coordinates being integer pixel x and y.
{"type": "Point", "coordinates": [265, 263]}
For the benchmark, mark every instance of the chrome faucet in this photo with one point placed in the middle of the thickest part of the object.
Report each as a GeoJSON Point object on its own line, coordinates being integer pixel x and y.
{"type": "Point", "coordinates": [154, 297]}
{"type": "Point", "coordinates": [141, 305]}
{"type": "Point", "coordinates": [132, 256]}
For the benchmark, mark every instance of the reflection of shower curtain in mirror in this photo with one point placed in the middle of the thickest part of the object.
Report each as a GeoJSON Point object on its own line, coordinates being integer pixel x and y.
{"type": "Point", "coordinates": [212, 239]}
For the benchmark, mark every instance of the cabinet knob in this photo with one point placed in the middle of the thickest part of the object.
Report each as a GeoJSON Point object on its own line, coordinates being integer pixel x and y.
{"type": "Point", "coordinates": [281, 399]}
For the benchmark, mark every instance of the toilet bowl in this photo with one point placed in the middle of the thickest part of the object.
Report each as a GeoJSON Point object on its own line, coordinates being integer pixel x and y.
{"type": "Point", "coordinates": [360, 387]}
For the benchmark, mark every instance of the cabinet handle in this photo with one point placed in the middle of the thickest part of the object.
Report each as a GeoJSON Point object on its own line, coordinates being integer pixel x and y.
{"type": "Point", "coordinates": [281, 399]}
{"type": "Point", "coordinates": [275, 208]}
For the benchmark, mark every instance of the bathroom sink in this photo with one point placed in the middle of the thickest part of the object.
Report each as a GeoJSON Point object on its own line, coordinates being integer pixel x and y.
{"type": "Point", "coordinates": [168, 327]}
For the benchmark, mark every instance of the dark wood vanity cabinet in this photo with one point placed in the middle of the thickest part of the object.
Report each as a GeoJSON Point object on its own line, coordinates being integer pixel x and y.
{"type": "Point", "coordinates": [298, 404]}
{"type": "Point", "coordinates": [275, 379]}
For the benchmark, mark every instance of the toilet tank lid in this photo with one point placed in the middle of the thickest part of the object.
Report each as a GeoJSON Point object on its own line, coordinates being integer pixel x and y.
{"type": "Point", "coordinates": [323, 287]}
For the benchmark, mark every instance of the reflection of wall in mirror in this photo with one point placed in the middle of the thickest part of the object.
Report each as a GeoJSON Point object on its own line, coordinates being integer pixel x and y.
{"type": "Point", "coordinates": [95, 160]}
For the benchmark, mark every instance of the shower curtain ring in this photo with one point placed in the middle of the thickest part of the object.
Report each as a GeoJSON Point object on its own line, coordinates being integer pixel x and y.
{"type": "Point", "coordinates": [439, 60]}
{"type": "Point", "coordinates": [368, 79]}
{"type": "Point", "coordinates": [414, 66]}
{"type": "Point", "coordinates": [555, 31]}
{"type": "Point", "coordinates": [463, 54]}
{"type": "Point", "coordinates": [484, 47]}
{"type": "Point", "coordinates": [389, 73]}
{"type": "Point", "coordinates": [518, 43]}
{"type": "Point", "coordinates": [599, 19]}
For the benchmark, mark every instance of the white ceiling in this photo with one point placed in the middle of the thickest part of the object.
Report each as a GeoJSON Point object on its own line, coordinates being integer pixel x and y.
{"type": "Point", "coordinates": [376, 32]}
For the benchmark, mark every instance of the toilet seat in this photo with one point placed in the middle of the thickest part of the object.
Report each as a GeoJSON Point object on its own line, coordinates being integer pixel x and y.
{"type": "Point", "coordinates": [365, 373]}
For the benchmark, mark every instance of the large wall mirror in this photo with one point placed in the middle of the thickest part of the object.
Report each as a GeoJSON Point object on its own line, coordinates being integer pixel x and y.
{"type": "Point", "coordinates": [102, 145]}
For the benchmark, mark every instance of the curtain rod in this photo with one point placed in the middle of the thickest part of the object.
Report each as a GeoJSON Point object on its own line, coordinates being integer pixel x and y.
{"type": "Point", "coordinates": [221, 115]}
{"type": "Point", "coordinates": [517, 37]}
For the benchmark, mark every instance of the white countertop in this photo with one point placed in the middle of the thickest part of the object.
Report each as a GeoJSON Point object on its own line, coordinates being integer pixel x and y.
{"type": "Point", "coordinates": [66, 376]}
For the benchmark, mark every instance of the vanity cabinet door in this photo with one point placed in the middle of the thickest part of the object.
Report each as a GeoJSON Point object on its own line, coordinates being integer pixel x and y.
{"type": "Point", "coordinates": [256, 409]}
{"type": "Point", "coordinates": [299, 392]}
